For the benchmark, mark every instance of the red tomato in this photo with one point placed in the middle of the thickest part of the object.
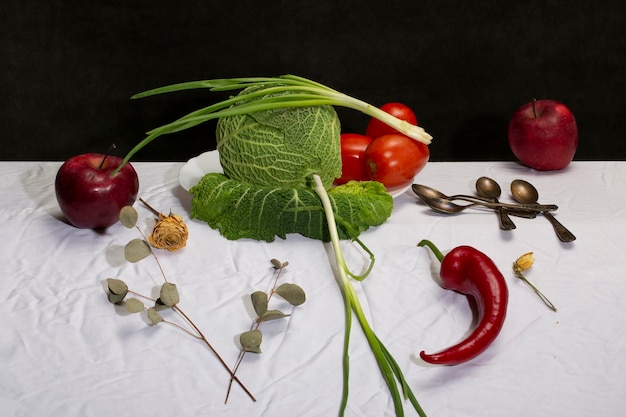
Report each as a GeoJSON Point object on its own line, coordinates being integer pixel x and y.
{"type": "Point", "coordinates": [353, 147]}
{"type": "Point", "coordinates": [376, 128]}
{"type": "Point", "coordinates": [395, 159]}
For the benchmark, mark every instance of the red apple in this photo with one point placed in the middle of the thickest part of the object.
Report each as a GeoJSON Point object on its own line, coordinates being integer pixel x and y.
{"type": "Point", "coordinates": [543, 135]}
{"type": "Point", "coordinates": [89, 195]}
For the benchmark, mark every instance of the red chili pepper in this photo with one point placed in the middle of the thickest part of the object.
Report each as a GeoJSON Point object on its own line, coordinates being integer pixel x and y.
{"type": "Point", "coordinates": [471, 272]}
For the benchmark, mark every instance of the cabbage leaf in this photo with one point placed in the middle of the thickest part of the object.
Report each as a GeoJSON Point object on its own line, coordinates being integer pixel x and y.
{"type": "Point", "coordinates": [243, 210]}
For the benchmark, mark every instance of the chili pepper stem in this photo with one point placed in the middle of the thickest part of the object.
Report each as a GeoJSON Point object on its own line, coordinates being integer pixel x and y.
{"type": "Point", "coordinates": [543, 298]}
{"type": "Point", "coordinates": [431, 245]}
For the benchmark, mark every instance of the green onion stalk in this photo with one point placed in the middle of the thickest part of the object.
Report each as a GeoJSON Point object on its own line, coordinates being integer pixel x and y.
{"type": "Point", "coordinates": [388, 366]}
{"type": "Point", "coordinates": [306, 93]}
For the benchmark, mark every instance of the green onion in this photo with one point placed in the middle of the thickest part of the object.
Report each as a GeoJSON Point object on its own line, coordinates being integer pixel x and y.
{"type": "Point", "coordinates": [308, 93]}
{"type": "Point", "coordinates": [386, 362]}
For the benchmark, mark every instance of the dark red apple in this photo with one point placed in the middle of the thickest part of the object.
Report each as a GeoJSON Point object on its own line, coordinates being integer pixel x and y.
{"type": "Point", "coordinates": [89, 195]}
{"type": "Point", "coordinates": [543, 135]}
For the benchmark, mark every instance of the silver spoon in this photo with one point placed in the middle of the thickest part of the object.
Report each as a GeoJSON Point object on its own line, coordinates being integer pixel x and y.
{"type": "Point", "coordinates": [425, 192]}
{"type": "Point", "coordinates": [525, 193]}
{"type": "Point", "coordinates": [429, 192]}
{"type": "Point", "coordinates": [488, 188]}
{"type": "Point", "coordinates": [445, 205]}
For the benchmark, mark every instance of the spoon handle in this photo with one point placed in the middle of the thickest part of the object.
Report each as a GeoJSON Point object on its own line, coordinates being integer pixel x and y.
{"type": "Point", "coordinates": [505, 221]}
{"type": "Point", "coordinates": [521, 207]}
{"type": "Point", "coordinates": [563, 234]}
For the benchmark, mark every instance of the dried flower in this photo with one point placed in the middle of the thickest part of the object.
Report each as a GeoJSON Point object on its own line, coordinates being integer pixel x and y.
{"type": "Point", "coordinates": [523, 263]}
{"type": "Point", "coordinates": [170, 232]}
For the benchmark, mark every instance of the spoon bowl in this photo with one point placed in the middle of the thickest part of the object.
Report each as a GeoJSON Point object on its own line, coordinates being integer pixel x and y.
{"type": "Point", "coordinates": [424, 191]}
{"type": "Point", "coordinates": [490, 189]}
{"type": "Point", "coordinates": [445, 205]}
{"type": "Point", "coordinates": [525, 193]}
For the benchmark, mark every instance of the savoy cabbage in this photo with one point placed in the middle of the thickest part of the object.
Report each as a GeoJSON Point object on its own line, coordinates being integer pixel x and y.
{"type": "Point", "coordinates": [280, 147]}
{"type": "Point", "coordinates": [243, 210]}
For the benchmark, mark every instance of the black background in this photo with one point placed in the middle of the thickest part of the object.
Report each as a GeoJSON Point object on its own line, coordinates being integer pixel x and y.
{"type": "Point", "coordinates": [69, 68]}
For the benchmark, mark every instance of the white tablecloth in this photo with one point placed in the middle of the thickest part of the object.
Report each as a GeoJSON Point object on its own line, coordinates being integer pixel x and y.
{"type": "Point", "coordinates": [67, 351]}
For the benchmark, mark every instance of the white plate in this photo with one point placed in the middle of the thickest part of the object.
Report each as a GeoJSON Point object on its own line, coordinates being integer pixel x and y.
{"type": "Point", "coordinates": [192, 172]}
{"type": "Point", "coordinates": [209, 162]}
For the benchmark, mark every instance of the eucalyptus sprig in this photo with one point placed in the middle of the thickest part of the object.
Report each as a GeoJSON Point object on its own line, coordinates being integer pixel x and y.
{"type": "Point", "coordinates": [303, 93]}
{"type": "Point", "coordinates": [251, 340]}
{"type": "Point", "coordinates": [169, 298]}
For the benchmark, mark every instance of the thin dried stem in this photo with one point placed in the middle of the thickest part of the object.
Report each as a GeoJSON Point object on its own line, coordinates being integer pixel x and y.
{"type": "Point", "coordinates": [153, 254]}
{"type": "Point", "coordinates": [219, 357]}
{"type": "Point", "coordinates": [255, 326]}
{"type": "Point", "coordinates": [152, 209]}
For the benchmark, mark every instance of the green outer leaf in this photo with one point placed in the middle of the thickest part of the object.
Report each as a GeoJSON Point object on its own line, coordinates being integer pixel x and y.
{"type": "Point", "coordinates": [169, 294]}
{"type": "Point", "coordinates": [251, 341]}
{"type": "Point", "coordinates": [259, 302]}
{"type": "Point", "coordinates": [136, 250]}
{"type": "Point", "coordinates": [293, 293]}
{"type": "Point", "coordinates": [241, 210]}
{"type": "Point", "coordinates": [129, 216]}
{"type": "Point", "coordinates": [134, 305]}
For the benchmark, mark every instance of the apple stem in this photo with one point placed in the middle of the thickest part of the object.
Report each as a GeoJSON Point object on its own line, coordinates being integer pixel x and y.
{"type": "Point", "coordinates": [534, 108]}
{"type": "Point", "coordinates": [106, 155]}
{"type": "Point", "coordinates": [152, 209]}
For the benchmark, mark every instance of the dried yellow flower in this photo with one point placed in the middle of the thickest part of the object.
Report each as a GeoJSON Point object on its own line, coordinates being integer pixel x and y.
{"type": "Point", "coordinates": [524, 262]}
{"type": "Point", "coordinates": [170, 232]}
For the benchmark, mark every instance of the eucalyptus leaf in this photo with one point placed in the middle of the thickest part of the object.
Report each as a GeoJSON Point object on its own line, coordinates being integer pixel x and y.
{"type": "Point", "coordinates": [134, 305]}
{"type": "Point", "coordinates": [259, 302]}
{"type": "Point", "coordinates": [154, 316]}
{"type": "Point", "coordinates": [117, 290]}
{"type": "Point", "coordinates": [251, 341]}
{"type": "Point", "coordinates": [117, 286]}
{"type": "Point", "coordinates": [116, 298]}
{"type": "Point", "coordinates": [292, 293]}
{"type": "Point", "coordinates": [128, 216]}
{"type": "Point", "coordinates": [273, 315]}
{"type": "Point", "coordinates": [169, 294]}
{"type": "Point", "coordinates": [136, 250]}
{"type": "Point", "coordinates": [158, 305]}
{"type": "Point", "coordinates": [278, 264]}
